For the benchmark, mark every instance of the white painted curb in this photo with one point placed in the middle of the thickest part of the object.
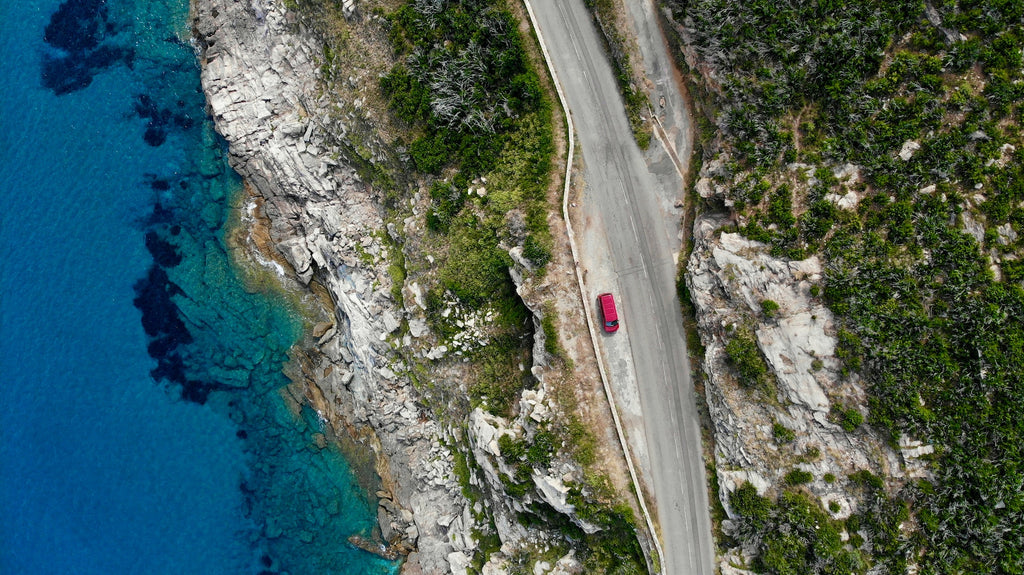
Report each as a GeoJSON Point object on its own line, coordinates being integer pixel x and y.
{"type": "Point", "coordinates": [583, 295]}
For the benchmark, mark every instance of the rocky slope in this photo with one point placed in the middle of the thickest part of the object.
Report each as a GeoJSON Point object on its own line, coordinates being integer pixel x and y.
{"type": "Point", "coordinates": [796, 422]}
{"type": "Point", "coordinates": [261, 74]}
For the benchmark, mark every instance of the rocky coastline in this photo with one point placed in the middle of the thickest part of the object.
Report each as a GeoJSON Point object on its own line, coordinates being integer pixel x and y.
{"type": "Point", "coordinates": [261, 84]}
{"type": "Point", "coordinates": [261, 73]}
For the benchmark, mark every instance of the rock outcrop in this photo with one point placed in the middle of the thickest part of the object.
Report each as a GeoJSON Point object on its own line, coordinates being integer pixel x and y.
{"type": "Point", "coordinates": [730, 277]}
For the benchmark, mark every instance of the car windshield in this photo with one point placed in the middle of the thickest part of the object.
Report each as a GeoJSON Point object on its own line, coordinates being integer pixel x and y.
{"type": "Point", "coordinates": [612, 323]}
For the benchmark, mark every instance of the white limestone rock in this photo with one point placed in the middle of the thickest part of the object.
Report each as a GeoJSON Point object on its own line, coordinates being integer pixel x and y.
{"type": "Point", "coordinates": [908, 149]}
{"type": "Point", "coordinates": [261, 77]}
{"type": "Point", "coordinates": [459, 562]}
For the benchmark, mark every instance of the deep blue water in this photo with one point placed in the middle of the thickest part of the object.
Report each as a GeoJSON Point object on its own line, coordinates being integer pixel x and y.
{"type": "Point", "coordinates": [142, 424]}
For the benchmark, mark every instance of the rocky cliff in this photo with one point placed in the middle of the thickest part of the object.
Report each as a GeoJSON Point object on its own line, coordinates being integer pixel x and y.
{"type": "Point", "coordinates": [262, 76]}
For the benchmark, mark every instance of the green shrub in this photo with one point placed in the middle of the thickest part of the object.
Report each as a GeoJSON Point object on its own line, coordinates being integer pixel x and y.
{"type": "Point", "coordinates": [748, 503]}
{"type": "Point", "coordinates": [798, 477]}
{"type": "Point", "coordinates": [542, 449]}
{"type": "Point", "coordinates": [499, 380]}
{"type": "Point", "coordinates": [867, 479]}
{"type": "Point", "coordinates": [430, 153]}
{"type": "Point", "coordinates": [516, 489]}
{"type": "Point", "coordinates": [782, 433]}
{"type": "Point", "coordinates": [780, 208]}
{"type": "Point", "coordinates": [745, 358]}
{"type": "Point", "coordinates": [511, 449]}
{"type": "Point", "coordinates": [769, 308]}
{"type": "Point", "coordinates": [849, 418]}
{"type": "Point", "coordinates": [476, 269]}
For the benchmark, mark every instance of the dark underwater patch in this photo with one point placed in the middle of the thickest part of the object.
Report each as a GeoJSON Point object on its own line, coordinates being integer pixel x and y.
{"type": "Point", "coordinates": [164, 252]}
{"type": "Point", "coordinates": [79, 33]}
{"type": "Point", "coordinates": [77, 25]}
{"type": "Point", "coordinates": [160, 318]}
{"type": "Point", "coordinates": [161, 214]}
{"type": "Point", "coordinates": [162, 322]}
{"type": "Point", "coordinates": [159, 119]}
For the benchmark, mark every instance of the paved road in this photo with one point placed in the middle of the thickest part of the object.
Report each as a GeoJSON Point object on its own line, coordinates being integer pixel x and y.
{"type": "Point", "coordinates": [623, 201]}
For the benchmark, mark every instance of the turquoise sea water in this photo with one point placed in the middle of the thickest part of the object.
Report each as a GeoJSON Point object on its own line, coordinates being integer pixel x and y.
{"type": "Point", "coordinates": [142, 424]}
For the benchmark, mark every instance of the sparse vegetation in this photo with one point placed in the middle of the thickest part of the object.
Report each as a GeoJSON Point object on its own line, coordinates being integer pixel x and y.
{"type": "Point", "coordinates": [480, 135]}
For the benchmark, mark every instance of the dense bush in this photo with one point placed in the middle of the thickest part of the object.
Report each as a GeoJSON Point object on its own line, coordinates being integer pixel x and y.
{"type": "Point", "coordinates": [793, 536]}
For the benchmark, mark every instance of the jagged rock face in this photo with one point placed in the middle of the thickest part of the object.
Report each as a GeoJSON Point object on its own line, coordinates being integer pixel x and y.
{"type": "Point", "coordinates": [261, 84]}
{"type": "Point", "coordinates": [729, 278]}
{"type": "Point", "coordinates": [485, 432]}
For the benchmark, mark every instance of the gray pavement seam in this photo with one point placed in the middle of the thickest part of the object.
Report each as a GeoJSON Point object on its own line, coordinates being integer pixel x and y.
{"type": "Point", "coordinates": [583, 295]}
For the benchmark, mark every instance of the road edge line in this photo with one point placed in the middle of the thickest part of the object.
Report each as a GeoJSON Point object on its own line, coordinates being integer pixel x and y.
{"type": "Point", "coordinates": [583, 296]}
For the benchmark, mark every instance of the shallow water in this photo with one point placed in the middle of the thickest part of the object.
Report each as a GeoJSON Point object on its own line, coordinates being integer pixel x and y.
{"type": "Point", "coordinates": [143, 428]}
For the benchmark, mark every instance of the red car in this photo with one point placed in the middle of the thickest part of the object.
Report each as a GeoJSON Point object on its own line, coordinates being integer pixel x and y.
{"type": "Point", "coordinates": [608, 313]}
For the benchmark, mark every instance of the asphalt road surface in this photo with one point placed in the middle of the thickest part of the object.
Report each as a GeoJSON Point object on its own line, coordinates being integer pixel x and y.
{"type": "Point", "coordinates": [624, 199]}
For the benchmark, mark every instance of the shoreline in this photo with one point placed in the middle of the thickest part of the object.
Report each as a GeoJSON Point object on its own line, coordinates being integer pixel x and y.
{"type": "Point", "coordinates": [261, 268]}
